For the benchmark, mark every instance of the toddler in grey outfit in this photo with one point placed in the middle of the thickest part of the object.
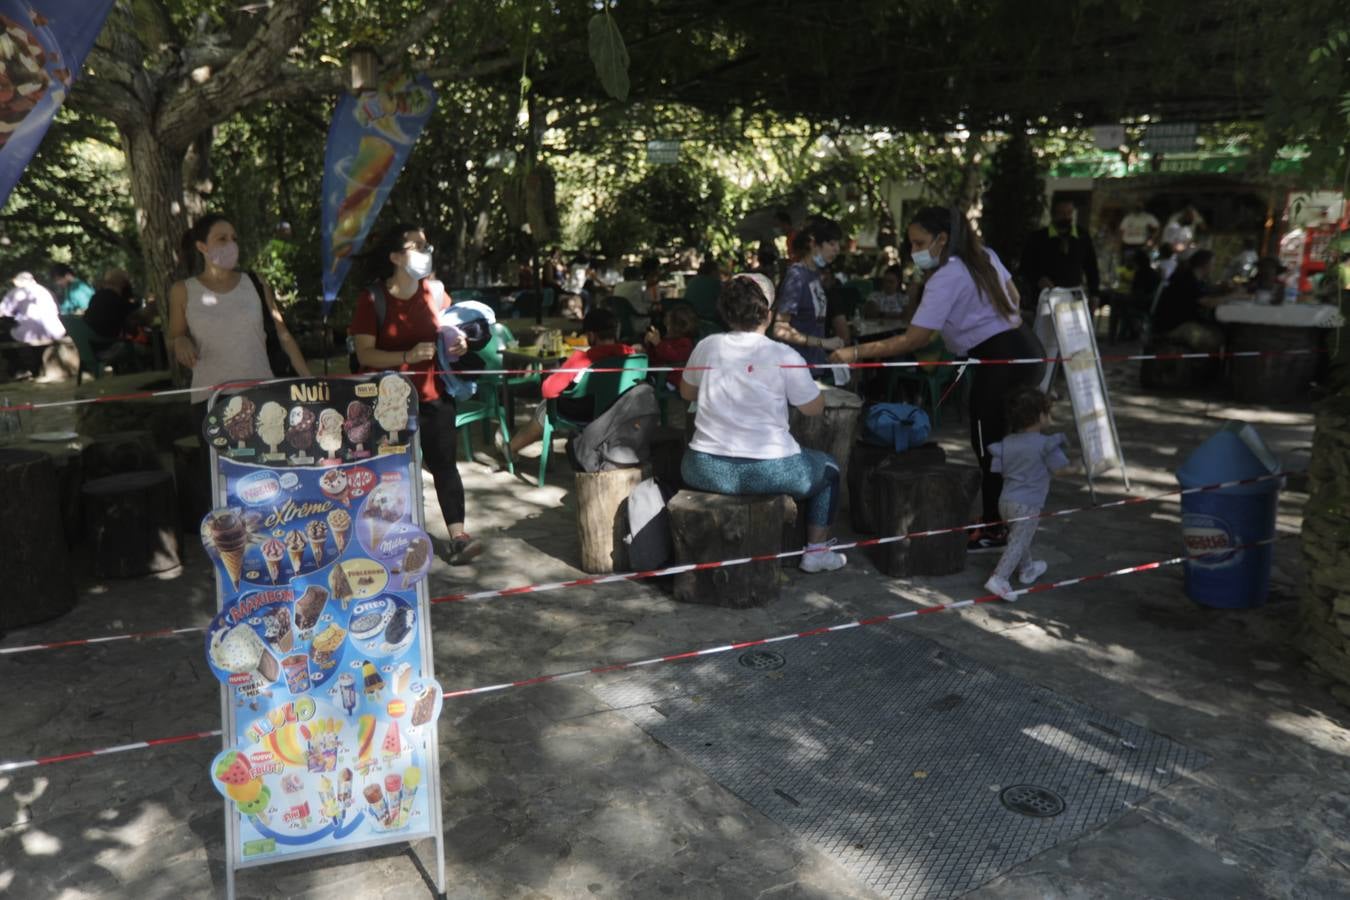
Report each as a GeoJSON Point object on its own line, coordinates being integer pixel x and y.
{"type": "Point", "coordinates": [1026, 459]}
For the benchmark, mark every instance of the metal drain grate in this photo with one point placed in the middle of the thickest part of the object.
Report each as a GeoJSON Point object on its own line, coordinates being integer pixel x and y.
{"type": "Point", "coordinates": [763, 660]}
{"type": "Point", "coordinates": [1030, 800]}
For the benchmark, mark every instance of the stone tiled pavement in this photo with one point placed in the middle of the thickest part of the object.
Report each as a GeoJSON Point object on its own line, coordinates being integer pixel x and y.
{"type": "Point", "coordinates": [549, 793]}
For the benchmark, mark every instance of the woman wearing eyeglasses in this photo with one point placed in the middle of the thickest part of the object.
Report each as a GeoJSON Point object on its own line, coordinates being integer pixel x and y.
{"type": "Point", "coordinates": [404, 340]}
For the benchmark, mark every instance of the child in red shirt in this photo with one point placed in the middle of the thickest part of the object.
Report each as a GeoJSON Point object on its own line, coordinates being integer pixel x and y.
{"type": "Point", "coordinates": [602, 335]}
{"type": "Point", "coordinates": [673, 350]}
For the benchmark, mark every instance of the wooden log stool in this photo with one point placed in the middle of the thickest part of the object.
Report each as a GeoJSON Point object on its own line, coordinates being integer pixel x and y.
{"type": "Point", "coordinates": [39, 581]}
{"type": "Point", "coordinates": [131, 523]}
{"type": "Point", "coordinates": [923, 498]}
{"type": "Point", "coordinates": [835, 431]}
{"type": "Point", "coordinates": [192, 480]}
{"type": "Point", "coordinates": [600, 520]}
{"type": "Point", "coordinates": [865, 462]}
{"type": "Point", "coordinates": [709, 527]}
{"type": "Point", "coordinates": [117, 452]}
{"type": "Point", "coordinates": [1176, 374]}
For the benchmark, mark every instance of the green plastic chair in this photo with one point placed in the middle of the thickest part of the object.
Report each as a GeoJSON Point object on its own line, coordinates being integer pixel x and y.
{"type": "Point", "coordinates": [932, 381]}
{"type": "Point", "coordinates": [78, 330]}
{"type": "Point", "coordinates": [602, 387]}
{"type": "Point", "coordinates": [486, 406]}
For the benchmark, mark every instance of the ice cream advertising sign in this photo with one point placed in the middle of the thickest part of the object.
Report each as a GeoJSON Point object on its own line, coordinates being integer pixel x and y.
{"type": "Point", "coordinates": [321, 640]}
{"type": "Point", "coordinates": [368, 143]}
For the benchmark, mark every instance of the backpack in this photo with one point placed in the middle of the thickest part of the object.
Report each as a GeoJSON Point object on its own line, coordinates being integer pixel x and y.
{"type": "Point", "coordinates": [648, 530]}
{"type": "Point", "coordinates": [896, 425]}
{"type": "Point", "coordinates": [621, 436]}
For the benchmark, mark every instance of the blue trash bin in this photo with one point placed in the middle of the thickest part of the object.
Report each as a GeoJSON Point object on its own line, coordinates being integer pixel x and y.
{"type": "Point", "coordinates": [1213, 522]}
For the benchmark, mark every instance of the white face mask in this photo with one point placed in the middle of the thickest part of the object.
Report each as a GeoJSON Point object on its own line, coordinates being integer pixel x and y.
{"type": "Point", "coordinates": [417, 264]}
{"type": "Point", "coordinates": [224, 256]}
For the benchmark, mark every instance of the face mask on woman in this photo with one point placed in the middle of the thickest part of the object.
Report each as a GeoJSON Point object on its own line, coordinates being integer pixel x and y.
{"type": "Point", "coordinates": [819, 260]}
{"type": "Point", "coordinates": [417, 264]}
{"type": "Point", "coordinates": [224, 256]}
{"type": "Point", "coordinates": [925, 259]}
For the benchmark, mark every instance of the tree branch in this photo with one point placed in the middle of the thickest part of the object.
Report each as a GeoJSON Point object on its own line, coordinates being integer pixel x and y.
{"type": "Point", "coordinates": [244, 79]}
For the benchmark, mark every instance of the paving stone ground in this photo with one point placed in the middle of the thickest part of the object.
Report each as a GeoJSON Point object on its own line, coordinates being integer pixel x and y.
{"type": "Point", "coordinates": [550, 793]}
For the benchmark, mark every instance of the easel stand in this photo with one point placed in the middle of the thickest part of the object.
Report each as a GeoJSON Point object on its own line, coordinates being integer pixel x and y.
{"type": "Point", "coordinates": [1065, 326]}
{"type": "Point", "coordinates": [310, 806]}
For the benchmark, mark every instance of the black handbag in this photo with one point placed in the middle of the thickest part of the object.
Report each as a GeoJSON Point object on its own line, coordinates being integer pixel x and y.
{"type": "Point", "coordinates": [277, 358]}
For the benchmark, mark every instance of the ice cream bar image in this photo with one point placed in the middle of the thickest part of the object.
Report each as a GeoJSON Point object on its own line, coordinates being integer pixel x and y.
{"type": "Point", "coordinates": [357, 423]}
{"type": "Point", "coordinates": [300, 430]}
{"type": "Point", "coordinates": [330, 431]}
{"type": "Point", "coordinates": [372, 682]}
{"type": "Point", "coordinates": [238, 419]}
{"type": "Point", "coordinates": [376, 800]}
{"type": "Point", "coordinates": [272, 424]}
{"type": "Point", "coordinates": [393, 788]}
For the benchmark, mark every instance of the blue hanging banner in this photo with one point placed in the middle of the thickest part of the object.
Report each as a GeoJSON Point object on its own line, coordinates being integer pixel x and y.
{"type": "Point", "coordinates": [43, 43]}
{"type": "Point", "coordinates": [368, 143]}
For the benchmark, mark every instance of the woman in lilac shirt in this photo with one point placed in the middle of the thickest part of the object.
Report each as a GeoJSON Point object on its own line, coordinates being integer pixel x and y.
{"type": "Point", "coordinates": [969, 297]}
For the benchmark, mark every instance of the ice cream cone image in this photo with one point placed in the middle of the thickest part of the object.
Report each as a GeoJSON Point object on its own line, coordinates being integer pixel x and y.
{"type": "Point", "coordinates": [229, 539]}
{"type": "Point", "coordinates": [272, 552]}
{"type": "Point", "coordinates": [295, 549]}
{"type": "Point", "coordinates": [316, 532]}
{"type": "Point", "coordinates": [340, 523]}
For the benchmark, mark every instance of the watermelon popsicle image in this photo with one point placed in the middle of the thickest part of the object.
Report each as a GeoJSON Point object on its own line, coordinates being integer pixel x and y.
{"type": "Point", "coordinates": [364, 172]}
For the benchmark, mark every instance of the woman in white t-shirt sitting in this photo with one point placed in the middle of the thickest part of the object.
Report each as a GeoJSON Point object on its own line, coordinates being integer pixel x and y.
{"type": "Point", "coordinates": [741, 441]}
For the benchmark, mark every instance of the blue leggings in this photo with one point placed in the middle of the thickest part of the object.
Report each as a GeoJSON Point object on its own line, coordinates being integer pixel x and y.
{"type": "Point", "coordinates": [809, 474]}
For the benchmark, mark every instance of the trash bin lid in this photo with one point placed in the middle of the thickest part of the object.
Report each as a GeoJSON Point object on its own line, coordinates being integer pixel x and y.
{"type": "Point", "coordinates": [1235, 452]}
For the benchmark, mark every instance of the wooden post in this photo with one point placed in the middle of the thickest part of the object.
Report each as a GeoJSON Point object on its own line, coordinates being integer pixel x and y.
{"type": "Point", "coordinates": [834, 431]}
{"type": "Point", "coordinates": [709, 527]}
{"type": "Point", "coordinates": [923, 498]}
{"type": "Point", "coordinates": [131, 522]}
{"type": "Point", "coordinates": [600, 522]}
{"type": "Point", "coordinates": [39, 582]}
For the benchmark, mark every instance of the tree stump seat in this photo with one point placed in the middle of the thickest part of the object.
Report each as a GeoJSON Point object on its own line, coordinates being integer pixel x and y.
{"type": "Point", "coordinates": [601, 522]}
{"type": "Point", "coordinates": [39, 582]}
{"type": "Point", "coordinates": [112, 453]}
{"type": "Point", "coordinates": [865, 461]}
{"type": "Point", "coordinates": [708, 527]}
{"type": "Point", "coordinates": [923, 497]}
{"type": "Point", "coordinates": [834, 431]}
{"type": "Point", "coordinates": [1176, 374]}
{"type": "Point", "coordinates": [131, 523]}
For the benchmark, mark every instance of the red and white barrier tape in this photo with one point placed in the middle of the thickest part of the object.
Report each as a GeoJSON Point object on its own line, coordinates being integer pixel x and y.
{"type": "Point", "coordinates": [689, 654]}
{"type": "Point", "coordinates": [880, 364]}
{"type": "Point", "coordinates": [687, 567]}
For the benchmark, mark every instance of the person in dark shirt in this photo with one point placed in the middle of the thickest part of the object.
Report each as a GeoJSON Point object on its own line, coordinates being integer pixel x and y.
{"type": "Point", "coordinates": [112, 306]}
{"type": "Point", "coordinates": [1135, 306]}
{"type": "Point", "coordinates": [1182, 313]}
{"type": "Point", "coordinates": [1060, 255]}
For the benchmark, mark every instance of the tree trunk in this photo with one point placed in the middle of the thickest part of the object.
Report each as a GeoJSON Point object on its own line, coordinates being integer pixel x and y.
{"type": "Point", "coordinates": [924, 498]}
{"type": "Point", "coordinates": [1325, 604]}
{"type": "Point", "coordinates": [161, 210]}
{"type": "Point", "coordinates": [39, 585]}
{"type": "Point", "coordinates": [600, 520]}
{"type": "Point", "coordinates": [711, 527]}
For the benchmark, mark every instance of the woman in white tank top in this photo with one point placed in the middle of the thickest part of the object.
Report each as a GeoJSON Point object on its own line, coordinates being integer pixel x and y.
{"type": "Point", "coordinates": [216, 318]}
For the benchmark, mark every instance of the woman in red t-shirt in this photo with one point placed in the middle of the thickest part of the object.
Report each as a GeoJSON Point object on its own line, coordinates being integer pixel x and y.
{"type": "Point", "coordinates": [674, 348]}
{"type": "Point", "coordinates": [405, 341]}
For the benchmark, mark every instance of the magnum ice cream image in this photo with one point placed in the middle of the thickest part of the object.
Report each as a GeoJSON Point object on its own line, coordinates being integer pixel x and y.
{"type": "Point", "coordinates": [238, 419]}
{"type": "Point", "coordinates": [272, 425]}
{"type": "Point", "coordinates": [385, 506]}
{"type": "Point", "coordinates": [272, 552]}
{"type": "Point", "coordinates": [316, 532]}
{"type": "Point", "coordinates": [309, 607]}
{"type": "Point", "coordinates": [239, 651]}
{"type": "Point", "coordinates": [277, 630]}
{"type": "Point", "coordinates": [300, 429]}
{"type": "Point", "coordinates": [229, 538]}
{"type": "Point", "coordinates": [391, 409]}
{"type": "Point", "coordinates": [340, 523]}
{"type": "Point", "coordinates": [295, 548]}
{"type": "Point", "coordinates": [357, 425]}
{"type": "Point", "coordinates": [330, 432]}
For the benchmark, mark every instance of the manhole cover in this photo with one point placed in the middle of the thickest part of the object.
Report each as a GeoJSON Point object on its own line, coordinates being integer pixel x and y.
{"type": "Point", "coordinates": [1030, 800]}
{"type": "Point", "coordinates": [763, 660]}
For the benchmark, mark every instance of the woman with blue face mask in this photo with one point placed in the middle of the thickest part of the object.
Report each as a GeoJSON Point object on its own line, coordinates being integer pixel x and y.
{"type": "Point", "coordinates": [968, 296]}
{"type": "Point", "coordinates": [216, 317]}
{"type": "Point", "coordinates": [402, 337]}
{"type": "Point", "coordinates": [800, 313]}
